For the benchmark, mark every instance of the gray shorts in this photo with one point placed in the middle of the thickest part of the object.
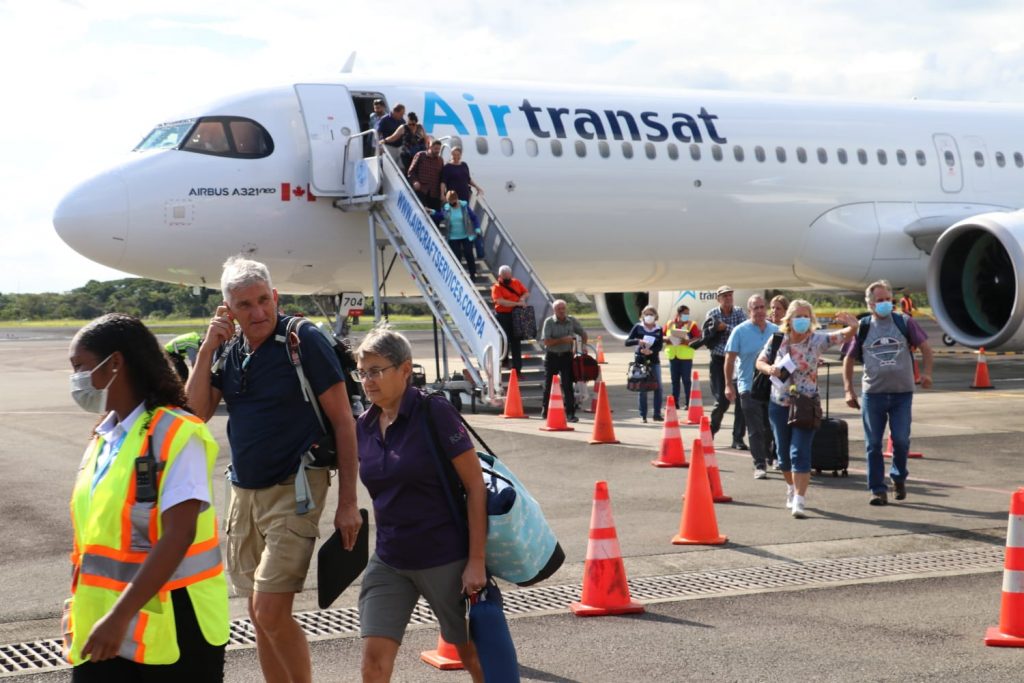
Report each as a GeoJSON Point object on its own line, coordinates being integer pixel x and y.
{"type": "Point", "coordinates": [388, 597]}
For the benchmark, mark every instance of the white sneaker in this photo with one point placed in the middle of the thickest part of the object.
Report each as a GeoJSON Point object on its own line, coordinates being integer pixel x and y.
{"type": "Point", "coordinates": [789, 499]}
{"type": "Point", "coordinates": [760, 473]}
{"type": "Point", "coordinates": [776, 466]}
{"type": "Point", "coordinates": [798, 508]}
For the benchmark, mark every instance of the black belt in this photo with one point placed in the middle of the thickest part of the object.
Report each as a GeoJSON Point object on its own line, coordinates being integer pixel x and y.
{"type": "Point", "coordinates": [559, 353]}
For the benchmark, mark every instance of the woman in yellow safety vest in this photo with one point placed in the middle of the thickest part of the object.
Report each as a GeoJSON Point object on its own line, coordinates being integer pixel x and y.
{"type": "Point", "coordinates": [149, 599]}
{"type": "Point", "coordinates": [680, 331]}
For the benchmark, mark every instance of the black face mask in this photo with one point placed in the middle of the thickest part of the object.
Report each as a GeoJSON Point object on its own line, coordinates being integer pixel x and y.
{"type": "Point", "coordinates": [506, 280]}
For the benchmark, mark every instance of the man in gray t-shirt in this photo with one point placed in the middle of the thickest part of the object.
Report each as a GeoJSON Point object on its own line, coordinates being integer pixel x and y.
{"type": "Point", "coordinates": [887, 386]}
{"type": "Point", "coordinates": [558, 335]}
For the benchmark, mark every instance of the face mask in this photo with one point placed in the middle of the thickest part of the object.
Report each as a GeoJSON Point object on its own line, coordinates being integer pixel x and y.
{"type": "Point", "coordinates": [506, 280]}
{"type": "Point", "coordinates": [685, 317]}
{"type": "Point", "coordinates": [801, 325]}
{"type": "Point", "coordinates": [649, 319]}
{"type": "Point", "coordinates": [883, 308]}
{"type": "Point", "coordinates": [89, 398]}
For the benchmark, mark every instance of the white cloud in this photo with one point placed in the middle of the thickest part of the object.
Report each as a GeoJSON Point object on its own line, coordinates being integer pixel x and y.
{"type": "Point", "coordinates": [84, 80]}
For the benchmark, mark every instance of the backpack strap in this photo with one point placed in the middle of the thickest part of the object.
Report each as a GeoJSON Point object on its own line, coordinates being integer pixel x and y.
{"type": "Point", "coordinates": [776, 344]}
{"type": "Point", "coordinates": [303, 497]}
{"type": "Point", "coordinates": [865, 324]}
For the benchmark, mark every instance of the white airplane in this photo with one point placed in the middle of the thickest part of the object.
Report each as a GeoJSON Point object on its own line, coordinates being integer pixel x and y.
{"type": "Point", "coordinates": [609, 192]}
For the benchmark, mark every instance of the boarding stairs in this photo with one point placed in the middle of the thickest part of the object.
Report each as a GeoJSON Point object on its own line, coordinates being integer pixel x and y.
{"type": "Point", "coordinates": [461, 307]}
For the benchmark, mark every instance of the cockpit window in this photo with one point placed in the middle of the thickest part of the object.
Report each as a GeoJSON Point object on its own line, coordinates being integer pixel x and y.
{"type": "Point", "coordinates": [229, 136]}
{"type": "Point", "coordinates": [165, 136]}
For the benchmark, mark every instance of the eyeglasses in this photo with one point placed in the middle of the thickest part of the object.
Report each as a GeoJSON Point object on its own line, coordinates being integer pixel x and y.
{"type": "Point", "coordinates": [372, 374]}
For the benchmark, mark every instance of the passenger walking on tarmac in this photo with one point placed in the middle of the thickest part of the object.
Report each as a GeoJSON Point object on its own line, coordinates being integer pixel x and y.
{"type": "Point", "coordinates": [420, 549]}
{"type": "Point", "coordinates": [883, 344]}
{"type": "Point", "coordinates": [796, 366]}
{"type": "Point", "coordinates": [679, 332]}
{"type": "Point", "coordinates": [648, 337]}
{"type": "Point", "coordinates": [462, 229]}
{"type": "Point", "coordinates": [276, 499]}
{"type": "Point", "coordinates": [149, 598]}
{"type": "Point", "coordinates": [558, 334]}
{"type": "Point", "coordinates": [741, 352]}
{"type": "Point", "coordinates": [777, 309]}
{"type": "Point", "coordinates": [386, 128]}
{"type": "Point", "coordinates": [508, 293]}
{"type": "Point", "coordinates": [723, 318]}
{"type": "Point", "coordinates": [413, 140]}
{"type": "Point", "coordinates": [425, 175]}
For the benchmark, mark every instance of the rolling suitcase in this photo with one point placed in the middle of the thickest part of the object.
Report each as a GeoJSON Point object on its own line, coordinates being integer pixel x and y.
{"type": "Point", "coordinates": [830, 449]}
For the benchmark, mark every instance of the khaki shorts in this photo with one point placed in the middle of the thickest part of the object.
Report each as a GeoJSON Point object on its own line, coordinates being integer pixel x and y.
{"type": "Point", "coordinates": [269, 546]}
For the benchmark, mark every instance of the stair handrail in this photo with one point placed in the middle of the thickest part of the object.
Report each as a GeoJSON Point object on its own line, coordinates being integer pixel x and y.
{"type": "Point", "coordinates": [348, 145]}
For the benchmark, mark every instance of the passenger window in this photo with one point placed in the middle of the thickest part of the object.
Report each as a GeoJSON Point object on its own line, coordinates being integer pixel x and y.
{"type": "Point", "coordinates": [901, 157]}
{"type": "Point", "coordinates": [737, 153]}
{"type": "Point", "coordinates": [862, 156]}
{"type": "Point", "coordinates": [841, 155]}
{"type": "Point", "coordinates": [481, 146]}
{"type": "Point", "coordinates": [822, 155]}
{"type": "Point", "coordinates": [627, 149]}
{"type": "Point", "coordinates": [716, 152]}
{"type": "Point", "coordinates": [921, 158]}
{"type": "Point", "coordinates": [673, 151]}
{"type": "Point", "coordinates": [581, 149]}
{"type": "Point", "coordinates": [801, 155]}
{"type": "Point", "coordinates": [883, 158]}
{"type": "Point", "coordinates": [649, 150]}
{"type": "Point", "coordinates": [209, 137]}
{"type": "Point", "coordinates": [780, 154]}
{"type": "Point", "coordinates": [979, 159]}
{"type": "Point", "coordinates": [1018, 159]}
{"type": "Point", "coordinates": [531, 147]}
{"type": "Point", "coordinates": [556, 148]}
{"type": "Point", "coordinates": [759, 154]}
{"type": "Point", "coordinates": [949, 158]}
{"type": "Point", "coordinates": [603, 149]}
{"type": "Point", "coordinates": [1000, 160]}
{"type": "Point", "coordinates": [695, 152]}
{"type": "Point", "coordinates": [506, 147]}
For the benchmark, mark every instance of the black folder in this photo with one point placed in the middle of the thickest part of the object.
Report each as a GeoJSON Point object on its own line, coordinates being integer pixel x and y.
{"type": "Point", "coordinates": [337, 568]}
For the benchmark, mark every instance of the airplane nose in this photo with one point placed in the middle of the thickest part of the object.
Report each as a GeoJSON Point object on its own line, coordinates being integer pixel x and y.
{"type": "Point", "coordinates": [93, 218]}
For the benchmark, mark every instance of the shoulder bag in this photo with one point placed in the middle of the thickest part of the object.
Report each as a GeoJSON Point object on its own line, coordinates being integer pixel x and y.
{"type": "Point", "coordinates": [640, 376]}
{"type": "Point", "coordinates": [804, 411]}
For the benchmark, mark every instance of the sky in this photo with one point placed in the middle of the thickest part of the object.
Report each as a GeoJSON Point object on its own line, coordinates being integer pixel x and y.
{"type": "Point", "coordinates": [84, 80]}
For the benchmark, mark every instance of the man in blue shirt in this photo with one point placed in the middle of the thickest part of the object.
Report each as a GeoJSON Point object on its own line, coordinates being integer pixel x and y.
{"type": "Point", "coordinates": [270, 428]}
{"type": "Point", "coordinates": [745, 345]}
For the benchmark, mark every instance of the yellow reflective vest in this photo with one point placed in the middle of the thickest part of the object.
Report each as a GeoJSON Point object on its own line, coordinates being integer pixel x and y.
{"type": "Point", "coordinates": [114, 534]}
{"type": "Point", "coordinates": [680, 351]}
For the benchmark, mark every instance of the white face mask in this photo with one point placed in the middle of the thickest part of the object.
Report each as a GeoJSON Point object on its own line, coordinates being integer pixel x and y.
{"type": "Point", "coordinates": [89, 398]}
{"type": "Point", "coordinates": [649, 319]}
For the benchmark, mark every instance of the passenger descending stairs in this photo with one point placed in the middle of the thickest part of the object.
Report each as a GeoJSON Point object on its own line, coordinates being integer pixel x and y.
{"type": "Point", "coordinates": [462, 307]}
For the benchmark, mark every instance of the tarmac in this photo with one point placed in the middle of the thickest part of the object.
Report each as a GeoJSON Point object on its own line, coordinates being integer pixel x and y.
{"type": "Point", "coordinates": [854, 593]}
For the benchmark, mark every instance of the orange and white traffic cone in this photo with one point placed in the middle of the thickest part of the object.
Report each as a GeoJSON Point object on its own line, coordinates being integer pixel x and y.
{"type": "Point", "coordinates": [445, 657]}
{"type": "Point", "coordinates": [605, 589]}
{"type": "Point", "coordinates": [696, 410]}
{"type": "Point", "coordinates": [672, 453]}
{"type": "Point", "coordinates": [603, 432]}
{"type": "Point", "coordinates": [556, 410]}
{"type": "Point", "coordinates": [593, 399]}
{"type": "Point", "coordinates": [1010, 632]}
{"type": "Point", "coordinates": [698, 524]}
{"type": "Point", "coordinates": [513, 401]}
{"type": "Point", "coordinates": [981, 379]}
{"type": "Point", "coordinates": [887, 453]}
{"type": "Point", "coordinates": [600, 352]}
{"type": "Point", "coordinates": [707, 442]}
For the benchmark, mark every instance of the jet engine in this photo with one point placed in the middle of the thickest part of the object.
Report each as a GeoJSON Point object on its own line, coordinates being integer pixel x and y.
{"type": "Point", "coordinates": [619, 311]}
{"type": "Point", "coordinates": [975, 283]}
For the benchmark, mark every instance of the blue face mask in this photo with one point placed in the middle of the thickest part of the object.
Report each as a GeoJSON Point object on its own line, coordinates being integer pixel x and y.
{"type": "Point", "coordinates": [883, 308]}
{"type": "Point", "coordinates": [801, 325]}
{"type": "Point", "coordinates": [684, 317]}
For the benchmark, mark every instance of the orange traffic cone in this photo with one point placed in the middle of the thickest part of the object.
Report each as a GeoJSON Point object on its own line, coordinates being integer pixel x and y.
{"type": "Point", "coordinates": [698, 524]}
{"type": "Point", "coordinates": [605, 590]}
{"type": "Point", "coordinates": [593, 399]}
{"type": "Point", "coordinates": [887, 453]}
{"type": "Point", "coordinates": [604, 432]}
{"type": "Point", "coordinates": [696, 410]}
{"type": "Point", "coordinates": [556, 410]}
{"type": "Point", "coordinates": [1010, 632]}
{"type": "Point", "coordinates": [600, 352]}
{"type": "Point", "coordinates": [513, 401]}
{"type": "Point", "coordinates": [707, 442]}
{"type": "Point", "coordinates": [445, 657]}
{"type": "Point", "coordinates": [672, 453]}
{"type": "Point", "coordinates": [981, 379]}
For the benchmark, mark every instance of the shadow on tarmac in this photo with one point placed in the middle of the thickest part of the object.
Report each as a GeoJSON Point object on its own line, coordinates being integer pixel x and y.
{"type": "Point", "coordinates": [532, 674]}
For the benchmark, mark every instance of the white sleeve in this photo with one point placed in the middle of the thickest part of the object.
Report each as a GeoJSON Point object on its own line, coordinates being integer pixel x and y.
{"type": "Point", "coordinates": [187, 478]}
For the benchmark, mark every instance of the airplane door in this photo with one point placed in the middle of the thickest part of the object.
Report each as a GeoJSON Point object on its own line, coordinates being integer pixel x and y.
{"type": "Point", "coordinates": [952, 178]}
{"type": "Point", "coordinates": [330, 121]}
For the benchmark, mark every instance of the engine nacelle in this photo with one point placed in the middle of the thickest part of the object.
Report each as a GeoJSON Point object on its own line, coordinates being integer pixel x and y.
{"type": "Point", "coordinates": [975, 283]}
{"type": "Point", "coordinates": [619, 311]}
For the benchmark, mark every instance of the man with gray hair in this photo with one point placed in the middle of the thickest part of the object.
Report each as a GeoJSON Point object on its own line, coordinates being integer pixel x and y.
{"type": "Point", "coordinates": [558, 336]}
{"type": "Point", "coordinates": [884, 344]}
{"type": "Point", "coordinates": [276, 498]}
{"type": "Point", "coordinates": [508, 294]}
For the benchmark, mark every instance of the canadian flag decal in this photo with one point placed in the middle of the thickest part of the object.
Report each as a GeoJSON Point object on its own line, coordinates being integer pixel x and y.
{"type": "Point", "coordinates": [298, 191]}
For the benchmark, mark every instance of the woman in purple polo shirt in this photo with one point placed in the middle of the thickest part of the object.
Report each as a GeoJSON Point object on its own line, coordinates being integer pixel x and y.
{"type": "Point", "coordinates": [420, 549]}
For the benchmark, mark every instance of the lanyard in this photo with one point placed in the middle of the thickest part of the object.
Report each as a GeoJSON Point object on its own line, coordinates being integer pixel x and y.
{"type": "Point", "coordinates": [105, 459]}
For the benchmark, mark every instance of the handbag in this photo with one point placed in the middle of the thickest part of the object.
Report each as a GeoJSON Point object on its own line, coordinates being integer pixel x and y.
{"type": "Point", "coordinates": [521, 547]}
{"type": "Point", "coordinates": [585, 368]}
{"type": "Point", "coordinates": [524, 322]}
{"type": "Point", "coordinates": [640, 376]}
{"type": "Point", "coordinates": [804, 411]}
{"type": "Point", "coordinates": [489, 631]}
{"type": "Point", "coordinates": [761, 387]}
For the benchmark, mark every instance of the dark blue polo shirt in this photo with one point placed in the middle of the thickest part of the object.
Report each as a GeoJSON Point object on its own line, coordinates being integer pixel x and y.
{"type": "Point", "coordinates": [270, 425]}
{"type": "Point", "coordinates": [415, 528]}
